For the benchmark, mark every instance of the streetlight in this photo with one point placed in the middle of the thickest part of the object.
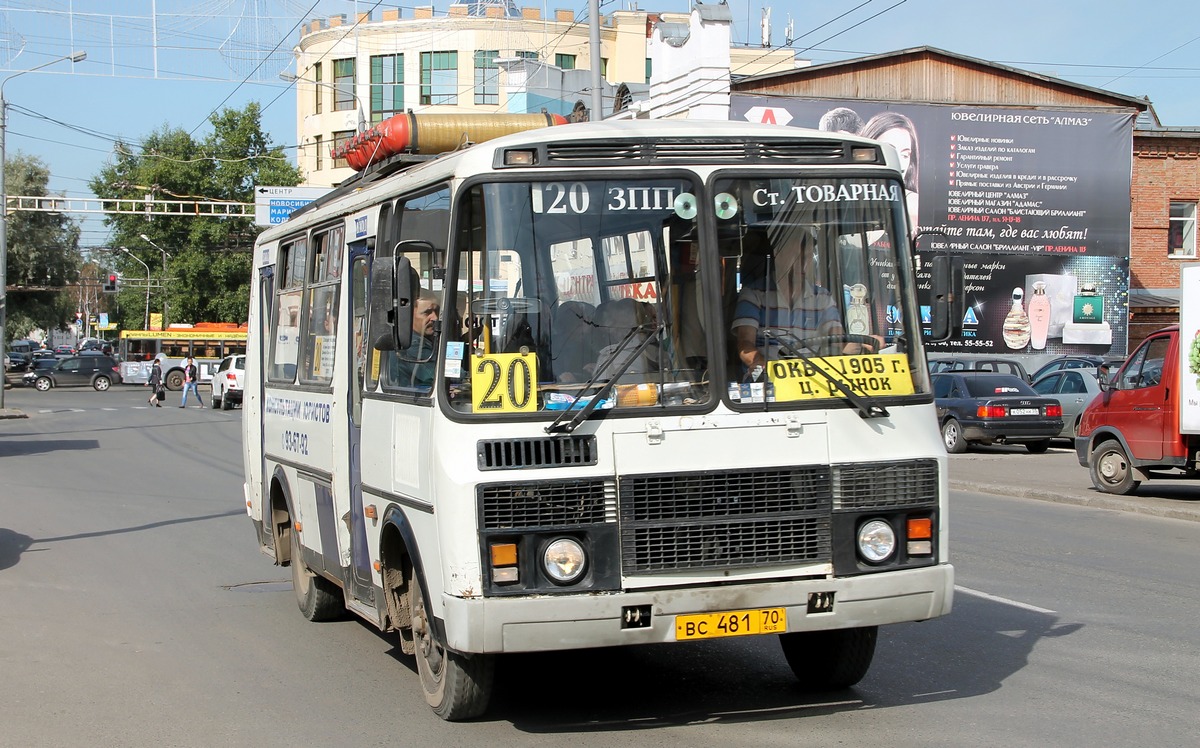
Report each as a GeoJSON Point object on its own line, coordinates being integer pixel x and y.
{"type": "Point", "coordinates": [164, 281]}
{"type": "Point", "coordinates": [73, 57]}
{"type": "Point", "coordinates": [362, 119]}
{"type": "Point", "coordinates": [146, 318]}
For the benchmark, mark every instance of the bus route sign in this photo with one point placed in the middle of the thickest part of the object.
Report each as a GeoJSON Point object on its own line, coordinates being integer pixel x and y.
{"type": "Point", "coordinates": [273, 205]}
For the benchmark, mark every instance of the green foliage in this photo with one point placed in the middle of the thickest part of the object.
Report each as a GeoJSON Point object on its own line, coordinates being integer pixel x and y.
{"type": "Point", "coordinates": [43, 253]}
{"type": "Point", "coordinates": [1194, 354]}
{"type": "Point", "coordinates": [208, 272]}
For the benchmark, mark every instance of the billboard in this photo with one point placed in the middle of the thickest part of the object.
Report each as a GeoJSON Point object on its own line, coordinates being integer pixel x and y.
{"type": "Point", "coordinates": [1036, 201]}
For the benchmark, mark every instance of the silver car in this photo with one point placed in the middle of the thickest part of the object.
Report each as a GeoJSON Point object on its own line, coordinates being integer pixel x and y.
{"type": "Point", "coordinates": [228, 381]}
{"type": "Point", "coordinates": [1074, 389]}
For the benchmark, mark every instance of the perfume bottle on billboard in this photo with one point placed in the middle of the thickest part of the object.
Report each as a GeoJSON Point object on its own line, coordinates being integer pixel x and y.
{"type": "Point", "coordinates": [1039, 316]}
{"type": "Point", "coordinates": [1016, 324]}
{"type": "Point", "coordinates": [1089, 306]}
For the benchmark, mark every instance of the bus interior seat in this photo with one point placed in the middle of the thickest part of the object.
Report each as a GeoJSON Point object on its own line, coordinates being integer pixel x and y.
{"type": "Point", "coordinates": [615, 320]}
{"type": "Point", "coordinates": [572, 344]}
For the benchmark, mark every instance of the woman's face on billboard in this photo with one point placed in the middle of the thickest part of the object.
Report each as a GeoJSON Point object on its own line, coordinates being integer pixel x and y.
{"type": "Point", "coordinates": [898, 138]}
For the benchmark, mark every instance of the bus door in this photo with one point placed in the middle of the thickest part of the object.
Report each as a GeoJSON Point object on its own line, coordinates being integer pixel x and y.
{"type": "Point", "coordinates": [357, 351]}
{"type": "Point", "coordinates": [266, 305]}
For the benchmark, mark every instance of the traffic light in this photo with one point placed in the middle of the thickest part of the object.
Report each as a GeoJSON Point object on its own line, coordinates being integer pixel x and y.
{"type": "Point", "coordinates": [110, 282]}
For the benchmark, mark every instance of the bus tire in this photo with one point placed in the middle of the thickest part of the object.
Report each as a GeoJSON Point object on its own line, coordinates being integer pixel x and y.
{"type": "Point", "coordinates": [318, 598]}
{"type": "Point", "coordinates": [174, 380]}
{"type": "Point", "coordinates": [830, 660]}
{"type": "Point", "coordinates": [456, 686]}
{"type": "Point", "coordinates": [1111, 469]}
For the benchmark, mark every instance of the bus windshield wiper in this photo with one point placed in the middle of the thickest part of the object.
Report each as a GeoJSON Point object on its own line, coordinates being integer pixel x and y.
{"type": "Point", "coordinates": [581, 414]}
{"type": "Point", "coordinates": [867, 408]}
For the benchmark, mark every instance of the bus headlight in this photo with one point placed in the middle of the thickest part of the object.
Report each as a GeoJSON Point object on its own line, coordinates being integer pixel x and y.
{"type": "Point", "coordinates": [876, 541]}
{"type": "Point", "coordinates": [564, 560]}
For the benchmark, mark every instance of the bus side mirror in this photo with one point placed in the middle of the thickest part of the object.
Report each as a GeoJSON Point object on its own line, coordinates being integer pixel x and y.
{"type": "Point", "coordinates": [383, 304]}
{"type": "Point", "coordinates": [406, 289]}
{"type": "Point", "coordinates": [946, 286]}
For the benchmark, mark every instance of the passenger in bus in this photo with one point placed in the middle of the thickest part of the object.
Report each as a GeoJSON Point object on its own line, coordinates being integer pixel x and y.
{"type": "Point", "coordinates": [789, 300]}
{"type": "Point", "coordinates": [414, 367]}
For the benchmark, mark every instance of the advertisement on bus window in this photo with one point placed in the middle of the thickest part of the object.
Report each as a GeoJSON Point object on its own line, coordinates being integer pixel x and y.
{"type": "Point", "coordinates": [1037, 203]}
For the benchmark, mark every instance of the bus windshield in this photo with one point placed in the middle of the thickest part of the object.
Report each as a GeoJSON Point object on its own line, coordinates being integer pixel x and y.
{"type": "Point", "coordinates": [591, 289]}
{"type": "Point", "coordinates": [564, 288]}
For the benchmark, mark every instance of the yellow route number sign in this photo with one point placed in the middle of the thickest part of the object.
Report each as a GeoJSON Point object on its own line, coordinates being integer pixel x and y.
{"type": "Point", "coordinates": [874, 375]}
{"type": "Point", "coordinates": [504, 383]}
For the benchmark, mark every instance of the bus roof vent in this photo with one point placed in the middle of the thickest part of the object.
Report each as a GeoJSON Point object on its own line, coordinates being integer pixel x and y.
{"type": "Point", "coordinates": [544, 452]}
{"type": "Point", "coordinates": [696, 151]}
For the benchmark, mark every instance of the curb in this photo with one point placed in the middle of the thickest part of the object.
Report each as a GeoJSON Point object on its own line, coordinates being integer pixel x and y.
{"type": "Point", "coordinates": [1148, 506]}
{"type": "Point", "coordinates": [7, 413]}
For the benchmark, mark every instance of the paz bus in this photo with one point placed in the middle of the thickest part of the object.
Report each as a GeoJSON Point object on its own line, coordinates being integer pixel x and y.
{"type": "Point", "coordinates": [501, 402]}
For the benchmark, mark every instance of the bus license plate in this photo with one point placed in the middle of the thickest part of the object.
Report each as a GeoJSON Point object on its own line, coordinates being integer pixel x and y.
{"type": "Point", "coordinates": [731, 623]}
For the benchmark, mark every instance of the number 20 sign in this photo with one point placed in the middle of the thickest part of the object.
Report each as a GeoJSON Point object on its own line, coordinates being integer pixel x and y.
{"type": "Point", "coordinates": [505, 383]}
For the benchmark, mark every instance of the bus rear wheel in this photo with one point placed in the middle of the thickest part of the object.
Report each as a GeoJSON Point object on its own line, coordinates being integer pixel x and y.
{"type": "Point", "coordinates": [830, 660]}
{"type": "Point", "coordinates": [457, 686]}
{"type": "Point", "coordinates": [174, 380]}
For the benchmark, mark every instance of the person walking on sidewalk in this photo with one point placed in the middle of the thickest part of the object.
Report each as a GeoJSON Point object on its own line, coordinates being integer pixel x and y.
{"type": "Point", "coordinates": [155, 384]}
{"type": "Point", "coordinates": [190, 380]}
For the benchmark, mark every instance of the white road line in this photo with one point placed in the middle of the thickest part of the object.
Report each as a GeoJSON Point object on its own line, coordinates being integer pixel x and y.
{"type": "Point", "coordinates": [1005, 600]}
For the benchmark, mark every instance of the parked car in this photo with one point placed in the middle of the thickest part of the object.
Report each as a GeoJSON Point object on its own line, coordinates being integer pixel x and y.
{"type": "Point", "coordinates": [1074, 362]}
{"type": "Point", "coordinates": [101, 372]}
{"type": "Point", "coordinates": [1000, 365]}
{"type": "Point", "coordinates": [64, 350]}
{"type": "Point", "coordinates": [987, 408]}
{"type": "Point", "coordinates": [227, 382]}
{"type": "Point", "coordinates": [1073, 389]}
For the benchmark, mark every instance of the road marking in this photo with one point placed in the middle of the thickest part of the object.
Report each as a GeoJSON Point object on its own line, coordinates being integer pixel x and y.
{"type": "Point", "coordinates": [1005, 600]}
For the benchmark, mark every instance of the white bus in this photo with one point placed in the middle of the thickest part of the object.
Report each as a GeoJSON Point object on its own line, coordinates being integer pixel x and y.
{"type": "Point", "coordinates": [583, 447]}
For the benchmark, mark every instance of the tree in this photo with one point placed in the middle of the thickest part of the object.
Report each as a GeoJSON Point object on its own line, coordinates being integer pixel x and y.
{"type": "Point", "coordinates": [208, 273]}
{"type": "Point", "coordinates": [43, 254]}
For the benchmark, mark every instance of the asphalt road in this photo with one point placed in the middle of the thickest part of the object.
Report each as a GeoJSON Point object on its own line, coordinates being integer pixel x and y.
{"type": "Point", "coordinates": [136, 610]}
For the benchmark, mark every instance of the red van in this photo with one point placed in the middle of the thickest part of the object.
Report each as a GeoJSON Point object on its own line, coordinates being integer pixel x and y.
{"type": "Point", "coordinates": [1138, 427]}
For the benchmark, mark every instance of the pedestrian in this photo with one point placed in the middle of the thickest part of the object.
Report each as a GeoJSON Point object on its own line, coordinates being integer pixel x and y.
{"type": "Point", "coordinates": [155, 383]}
{"type": "Point", "coordinates": [190, 382]}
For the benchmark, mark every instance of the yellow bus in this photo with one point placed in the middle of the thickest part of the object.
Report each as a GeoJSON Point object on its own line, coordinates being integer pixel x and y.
{"type": "Point", "coordinates": [207, 344]}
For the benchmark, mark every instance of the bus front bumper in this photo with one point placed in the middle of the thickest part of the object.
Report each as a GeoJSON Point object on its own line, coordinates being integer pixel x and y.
{"type": "Point", "coordinates": [531, 624]}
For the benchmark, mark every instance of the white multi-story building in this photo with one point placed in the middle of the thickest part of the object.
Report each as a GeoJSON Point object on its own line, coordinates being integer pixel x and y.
{"type": "Point", "coordinates": [491, 56]}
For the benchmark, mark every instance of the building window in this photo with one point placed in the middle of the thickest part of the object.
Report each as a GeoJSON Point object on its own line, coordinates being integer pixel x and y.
{"type": "Point", "coordinates": [387, 87]}
{"type": "Point", "coordinates": [487, 77]}
{"type": "Point", "coordinates": [527, 56]}
{"type": "Point", "coordinates": [320, 146]}
{"type": "Point", "coordinates": [318, 90]}
{"type": "Point", "coordinates": [439, 77]}
{"type": "Point", "coordinates": [339, 139]}
{"type": "Point", "coordinates": [566, 62]}
{"type": "Point", "coordinates": [1181, 236]}
{"type": "Point", "coordinates": [649, 68]}
{"type": "Point", "coordinates": [343, 85]}
{"type": "Point", "coordinates": [603, 67]}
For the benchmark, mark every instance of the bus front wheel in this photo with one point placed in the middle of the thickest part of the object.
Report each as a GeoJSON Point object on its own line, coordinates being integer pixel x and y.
{"type": "Point", "coordinates": [456, 686]}
{"type": "Point", "coordinates": [318, 598]}
{"type": "Point", "coordinates": [174, 380]}
{"type": "Point", "coordinates": [830, 660]}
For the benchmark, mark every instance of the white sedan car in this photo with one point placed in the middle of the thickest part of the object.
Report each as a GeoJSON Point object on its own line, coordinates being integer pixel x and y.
{"type": "Point", "coordinates": [227, 382]}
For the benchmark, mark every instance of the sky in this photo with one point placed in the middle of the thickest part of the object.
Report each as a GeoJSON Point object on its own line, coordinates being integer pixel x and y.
{"type": "Point", "coordinates": [152, 63]}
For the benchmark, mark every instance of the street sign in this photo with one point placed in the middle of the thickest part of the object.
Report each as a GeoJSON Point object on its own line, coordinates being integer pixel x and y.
{"type": "Point", "coordinates": [273, 205]}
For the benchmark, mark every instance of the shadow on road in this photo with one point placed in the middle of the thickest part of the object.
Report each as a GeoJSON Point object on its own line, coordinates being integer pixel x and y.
{"type": "Point", "coordinates": [12, 545]}
{"type": "Point", "coordinates": [26, 448]}
{"type": "Point", "coordinates": [969, 653]}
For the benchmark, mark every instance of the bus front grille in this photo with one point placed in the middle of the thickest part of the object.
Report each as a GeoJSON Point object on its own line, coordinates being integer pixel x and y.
{"type": "Point", "coordinates": [725, 520]}
{"type": "Point", "coordinates": [545, 504]}
{"type": "Point", "coordinates": [558, 451]}
{"type": "Point", "coordinates": [885, 485]}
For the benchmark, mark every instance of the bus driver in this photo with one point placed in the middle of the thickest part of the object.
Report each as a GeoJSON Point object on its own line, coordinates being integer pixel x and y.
{"type": "Point", "coordinates": [414, 366]}
{"type": "Point", "coordinates": [790, 301]}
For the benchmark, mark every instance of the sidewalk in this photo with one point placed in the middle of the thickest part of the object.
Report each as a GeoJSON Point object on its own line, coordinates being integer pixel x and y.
{"type": "Point", "coordinates": [1058, 476]}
